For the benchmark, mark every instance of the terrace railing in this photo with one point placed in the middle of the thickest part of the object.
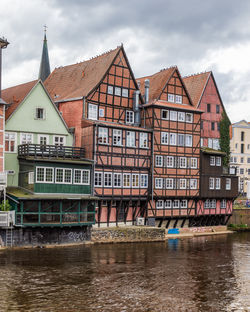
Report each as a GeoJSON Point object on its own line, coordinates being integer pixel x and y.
{"type": "Point", "coordinates": [50, 151]}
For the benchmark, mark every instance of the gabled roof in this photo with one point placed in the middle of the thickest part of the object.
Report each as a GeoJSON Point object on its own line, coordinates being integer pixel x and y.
{"type": "Point", "coordinates": [13, 96]}
{"type": "Point", "coordinates": [196, 85]}
{"type": "Point", "coordinates": [78, 80]}
{"type": "Point", "coordinates": [157, 82]}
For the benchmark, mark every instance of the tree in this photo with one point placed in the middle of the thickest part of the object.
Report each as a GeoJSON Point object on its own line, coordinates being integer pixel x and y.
{"type": "Point", "coordinates": [225, 138]}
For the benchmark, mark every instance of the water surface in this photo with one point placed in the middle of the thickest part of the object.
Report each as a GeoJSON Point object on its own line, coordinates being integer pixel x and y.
{"type": "Point", "coordinates": [209, 273]}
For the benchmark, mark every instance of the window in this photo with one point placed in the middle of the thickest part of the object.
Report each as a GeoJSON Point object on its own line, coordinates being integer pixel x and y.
{"type": "Point", "coordinates": [172, 140]}
{"type": "Point", "coordinates": [135, 180]}
{"type": "Point", "coordinates": [183, 203]}
{"type": "Point", "coordinates": [207, 203]}
{"type": "Point", "coordinates": [43, 139]}
{"type": "Point", "coordinates": [110, 89]}
{"type": "Point", "coordinates": [181, 116]}
{"type": "Point", "coordinates": [164, 114]}
{"type": "Point", "coordinates": [26, 138]}
{"type": "Point", "coordinates": [130, 139]}
{"type": "Point", "coordinates": [158, 161]}
{"type": "Point", "coordinates": [31, 177]}
{"type": "Point", "coordinates": [242, 160]}
{"type": "Point", "coordinates": [40, 113]}
{"type": "Point", "coordinates": [242, 148]}
{"type": "Point", "coordinates": [241, 170]}
{"type": "Point", "coordinates": [242, 135]}
{"type": "Point", "coordinates": [178, 99]}
{"type": "Point", "coordinates": [58, 140]}
{"type": "Point", "coordinates": [118, 91]}
{"type": "Point", "coordinates": [181, 140]}
{"type": "Point", "coordinates": [211, 183]}
{"type": "Point", "coordinates": [129, 117]}
{"type": "Point", "coordinates": [103, 135]}
{"type": "Point", "coordinates": [159, 204]}
{"type": "Point", "coordinates": [189, 140]}
{"type": "Point", "coordinates": [107, 179]}
{"type": "Point", "coordinates": [176, 203]}
{"type": "Point", "coordinates": [93, 111]}
{"type": "Point", "coordinates": [212, 160]}
{"type": "Point", "coordinates": [223, 203]}
{"type": "Point", "coordinates": [212, 125]}
{"type": "Point", "coordinates": [143, 140]}
{"type": "Point", "coordinates": [44, 175]}
{"type": "Point", "coordinates": [183, 184]}
{"type": "Point", "coordinates": [117, 137]}
{"type": "Point", "coordinates": [170, 161]}
{"type": "Point", "coordinates": [213, 203]}
{"type": "Point", "coordinates": [158, 183]}
{"type": "Point", "coordinates": [173, 115]}
{"type": "Point", "coordinates": [126, 180]}
{"type": "Point", "coordinates": [170, 97]}
{"type": "Point", "coordinates": [10, 142]}
{"type": "Point", "coordinates": [101, 112]}
{"type": "Point", "coordinates": [144, 180]}
{"type": "Point", "coordinates": [125, 92]}
{"type": "Point", "coordinates": [217, 183]}
{"type": "Point", "coordinates": [216, 144]}
{"type": "Point", "coordinates": [208, 108]}
{"type": "Point", "coordinates": [218, 161]}
{"type": "Point", "coordinates": [248, 160]}
{"type": "Point", "coordinates": [189, 117]}
{"type": "Point", "coordinates": [81, 176]}
{"type": "Point", "coordinates": [117, 180]}
{"type": "Point", "coordinates": [164, 137]}
{"type": "Point", "coordinates": [98, 179]}
{"type": "Point", "coordinates": [193, 184]}
{"type": "Point", "coordinates": [228, 184]}
{"type": "Point", "coordinates": [193, 163]}
{"type": "Point", "coordinates": [68, 176]}
{"type": "Point", "coordinates": [169, 184]}
{"type": "Point", "coordinates": [210, 143]}
{"type": "Point", "coordinates": [168, 204]}
{"type": "Point", "coordinates": [183, 162]}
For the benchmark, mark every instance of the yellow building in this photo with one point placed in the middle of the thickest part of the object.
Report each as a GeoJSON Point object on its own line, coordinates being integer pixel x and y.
{"type": "Point", "coordinates": [240, 152]}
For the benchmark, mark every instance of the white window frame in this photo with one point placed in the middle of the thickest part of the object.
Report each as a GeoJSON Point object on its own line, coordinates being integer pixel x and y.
{"type": "Point", "coordinates": [217, 183]}
{"type": "Point", "coordinates": [99, 179]}
{"type": "Point", "coordinates": [228, 184]}
{"type": "Point", "coordinates": [223, 204]}
{"type": "Point", "coordinates": [181, 139]}
{"type": "Point", "coordinates": [169, 183]}
{"type": "Point", "coordinates": [107, 177]}
{"type": "Point", "coordinates": [55, 137]}
{"type": "Point", "coordinates": [44, 174]}
{"type": "Point", "coordinates": [64, 169]}
{"type": "Point", "coordinates": [110, 89]}
{"type": "Point", "coordinates": [170, 162]}
{"type": "Point", "coordinates": [212, 160]}
{"type": "Point", "coordinates": [144, 180]}
{"type": "Point", "coordinates": [173, 115]}
{"type": "Point", "coordinates": [24, 140]}
{"type": "Point", "coordinates": [171, 98]}
{"type": "Point", "coordinates": [143, 140]}
{"type": "Point", "coordinates": [193, 184]}
{"type": "Point", "coordinates": [14, 139]}
{"type": "Point", "coordinates": [117, 134]}
{"type": "Point", "coordinates": [218, 161]}
{"type": "Point", "coordinates": [178, 99]}
{"type": "Point", "coordinates": [159, 204]}
{"type": "Point", "coordinates": [158, 161]}
{"type": "Point", "coordinates": [82, 171]}
{"type": "Point", "coordinates": [183, 162]}
{"type": "Point", "coordinates": [167, 114]}
{"type": "Point", "coordinates": [92, 111]}
{"type": "Point", "coordinates": [130, 139]}
{"type": "Point", "coordinates": [183, 203]}
{"type": "Point", "coordinates": [40, 136]}
{"type": "Point", "coordinates": [194, 163]}
{"type": "Point", "coordinates": [213, 203]}
{"type": "Point", "coordinates": [176, 203]}
{"type": "Point", "coordinates": [158, 183]}
{"type": "Point", "coordinates": [189, 117]}
{"type": "Point", "coordinates": [130, 117]}
{"type": "Point", "coordinates": [101, 112]}
{"type": "Point", "coordinates": [189, 140]}
{"type": "Point", "coordinates": [210, 143]}
{"type": "Point", "coordinates": [118, 91]}
{"type": "Point", "coordinates": [181, 116]}
{"type": "Point", "coordinates": [172, 138]}
{"type": "Point", "coordinates": [135, 180]}
{"type": "Point", "coordinates": [103, 135]}
{"type": "Point", "coordinates": [125, 92]}
{"type": "Point", "coordinates": [211, 183]}
{"type": "Point", "coordinates": [125, 180]}
{"type": "Point", "coordinates": [31, 177]}
{"type": "Point", "coordinates": [164, 138]}
{"type": "Point", "coordinates": [183, 184]}
{"type": "Point", "coordinates": [168, 204]}
{"type": "Point", "coordinates": [117, 177]}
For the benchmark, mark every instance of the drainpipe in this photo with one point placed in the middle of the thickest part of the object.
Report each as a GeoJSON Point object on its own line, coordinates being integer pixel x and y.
{"type": "Point", "coordinates": [136, 108]}
{"type": "Point", "coordinates": [83, 108]}
{"type": "Point", "coordinates": [146, 90]}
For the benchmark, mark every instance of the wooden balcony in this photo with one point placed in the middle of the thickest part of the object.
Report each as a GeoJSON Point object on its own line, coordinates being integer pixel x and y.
{"type": "Point", "coordinates": [50, 151]}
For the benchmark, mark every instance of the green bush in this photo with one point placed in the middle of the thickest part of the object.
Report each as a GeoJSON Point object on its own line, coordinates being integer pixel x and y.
{"type": "Point", "coordinates": [6, 206]}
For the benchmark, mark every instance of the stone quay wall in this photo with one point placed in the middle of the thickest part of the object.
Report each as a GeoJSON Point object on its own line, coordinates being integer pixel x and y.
{"type": "Point", "coordinates": [240, 217]}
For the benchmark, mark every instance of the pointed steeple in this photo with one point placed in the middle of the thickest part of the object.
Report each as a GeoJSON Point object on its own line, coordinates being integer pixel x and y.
{"type": "Point", "coordinates": [44, 71]}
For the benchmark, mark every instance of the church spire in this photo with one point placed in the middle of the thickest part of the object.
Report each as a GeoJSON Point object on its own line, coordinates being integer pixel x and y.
{"type": "Point", "coordinates": [44, 65]}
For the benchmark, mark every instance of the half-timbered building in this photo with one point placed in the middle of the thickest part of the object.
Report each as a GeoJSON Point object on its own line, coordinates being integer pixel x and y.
{"type": "Point", "coordinates": [169, 111]}
{"type": "Point", "coordinates": [101, 100]}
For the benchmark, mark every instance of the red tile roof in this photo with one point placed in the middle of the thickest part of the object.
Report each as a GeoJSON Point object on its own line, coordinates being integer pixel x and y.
{"type": "Point", "coordinates": [195, 85]}
{"type": "Point", "coordinates": [174, 105]}
{"type": "Point", "coordinates": [15, 95]}
{"type": "Point", "coordinates": [156, 82]}
{"type": "Point", "coordinates": [78, 80]}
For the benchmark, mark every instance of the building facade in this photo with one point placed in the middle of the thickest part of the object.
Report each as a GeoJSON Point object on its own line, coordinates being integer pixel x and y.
{"type": "Point", "coordinates": [240, 152]}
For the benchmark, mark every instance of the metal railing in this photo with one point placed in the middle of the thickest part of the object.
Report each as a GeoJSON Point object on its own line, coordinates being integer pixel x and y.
{"type": "Point", "coordinates": [51, 151]}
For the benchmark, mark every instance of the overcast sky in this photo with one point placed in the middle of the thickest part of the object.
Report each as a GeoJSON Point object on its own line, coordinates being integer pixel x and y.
{"type": "Point", "coordinates": [195, 35]}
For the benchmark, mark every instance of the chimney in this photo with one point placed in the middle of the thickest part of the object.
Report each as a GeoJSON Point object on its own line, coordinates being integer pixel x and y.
{"type": "Point", "coordinates": [136, 108]}
{"type": "Point", "coordinates": [146, 96]}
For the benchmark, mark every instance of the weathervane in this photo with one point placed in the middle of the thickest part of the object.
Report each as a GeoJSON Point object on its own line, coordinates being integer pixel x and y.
{"type": "Point", "coordinates": [45, 28]}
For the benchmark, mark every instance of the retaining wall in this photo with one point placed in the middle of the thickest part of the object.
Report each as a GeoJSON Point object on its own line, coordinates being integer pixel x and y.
{"type": "Point", "coordinates": [240, 216]}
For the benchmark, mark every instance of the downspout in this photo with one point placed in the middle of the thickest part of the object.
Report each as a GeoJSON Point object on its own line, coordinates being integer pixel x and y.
{"type": "Point", "coordinates": [83, 108]}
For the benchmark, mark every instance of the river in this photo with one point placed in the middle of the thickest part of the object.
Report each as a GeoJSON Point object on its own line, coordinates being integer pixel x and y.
{"type": "Point", "coordinates": [210, 273]}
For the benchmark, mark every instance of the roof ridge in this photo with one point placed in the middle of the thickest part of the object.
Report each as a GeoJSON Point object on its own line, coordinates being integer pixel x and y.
{"type": "Point", "coordinates": [21, 84]}
{"type": "Point", "coordinates": [91, 58]}
{"type": "Point", "coordinates": [200, 73]}
{"type": "Point", "coordinates": [161, 70]}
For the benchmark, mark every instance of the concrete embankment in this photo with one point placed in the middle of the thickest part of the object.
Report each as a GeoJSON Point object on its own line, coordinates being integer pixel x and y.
{"type": "Point", "coordinates": [240, 219]}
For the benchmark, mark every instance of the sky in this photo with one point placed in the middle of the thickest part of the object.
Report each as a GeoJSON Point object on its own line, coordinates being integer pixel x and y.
{"type": "Point", "coordinates": [195, 35]}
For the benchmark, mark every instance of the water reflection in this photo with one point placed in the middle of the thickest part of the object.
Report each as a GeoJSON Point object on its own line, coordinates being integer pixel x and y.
{"type": "Point", "coordinates": [199, 274]}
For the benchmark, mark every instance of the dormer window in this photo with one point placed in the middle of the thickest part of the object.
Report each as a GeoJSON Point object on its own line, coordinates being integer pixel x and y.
{"type": "Point", "coordinates": [170, 97]}
{"type": "Point", "coordinates": [40, 113]}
